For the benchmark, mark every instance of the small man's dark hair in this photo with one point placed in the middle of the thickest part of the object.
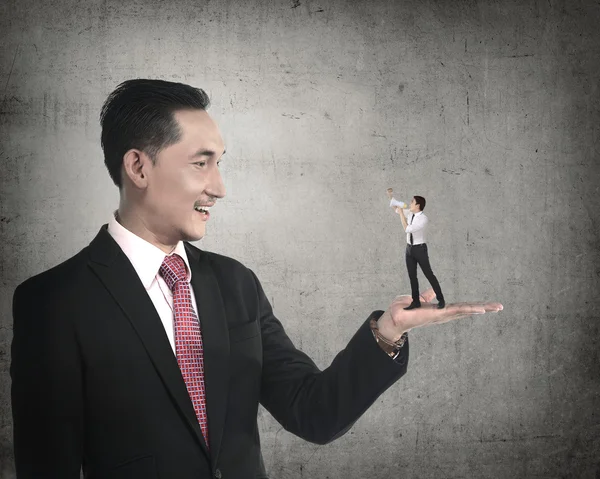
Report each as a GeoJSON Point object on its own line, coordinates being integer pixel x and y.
{"type": "Point", "coordinates": [140, 114]}
{"type": "Point", "coordinates": [420, 201]}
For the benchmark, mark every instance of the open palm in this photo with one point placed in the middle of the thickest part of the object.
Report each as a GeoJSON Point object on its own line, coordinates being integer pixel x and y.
{"type": "Point", "coordinates": [428, 313]}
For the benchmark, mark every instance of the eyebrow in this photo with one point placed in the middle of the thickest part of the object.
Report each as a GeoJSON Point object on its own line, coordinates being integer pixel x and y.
{"type": "Point", "coordinates": [206, 153]}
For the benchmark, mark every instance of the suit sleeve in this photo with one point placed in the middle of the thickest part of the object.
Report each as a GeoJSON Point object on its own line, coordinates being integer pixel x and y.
{"type": "Point", "coordinates": [320, 406]}
{"type": "Point", "coordinates": [46, 389]}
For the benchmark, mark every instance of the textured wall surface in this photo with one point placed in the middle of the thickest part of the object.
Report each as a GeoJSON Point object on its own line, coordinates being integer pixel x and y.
{"type": "Point", "coordinates": [490, 109]}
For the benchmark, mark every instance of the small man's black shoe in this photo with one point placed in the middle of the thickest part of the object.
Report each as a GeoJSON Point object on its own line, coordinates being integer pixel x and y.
{"type": "Point", "coordinates": [441, 304]}
{"type": "Point", "coordinates": [413, 305]}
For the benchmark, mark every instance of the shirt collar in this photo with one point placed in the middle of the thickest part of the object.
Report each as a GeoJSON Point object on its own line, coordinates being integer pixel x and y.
{"type": "Point", "coordinates": [418, 213]}
{"type": "Point", "coordinates": [144, 256]}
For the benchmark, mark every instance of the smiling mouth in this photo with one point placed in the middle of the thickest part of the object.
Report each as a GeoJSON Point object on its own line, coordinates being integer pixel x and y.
{"type": "Point", "coordinates": [204, 211]}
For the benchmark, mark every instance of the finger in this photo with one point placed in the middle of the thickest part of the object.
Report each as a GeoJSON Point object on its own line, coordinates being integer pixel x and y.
{"type": "Point", "coordinates": [465, 309]}
{"type": "Point", "coordinates": [493, 307]}
{"type": "Point", "coordinates": [428, 295]}
{"type": "Point", "coordinates": [403, 299]}
{"type": "Point", "coordinates": [464, 312]}
{"type": "Point", "coordinates": [455, 306]}
{"type": "Point", "coordinates": [488, 306]}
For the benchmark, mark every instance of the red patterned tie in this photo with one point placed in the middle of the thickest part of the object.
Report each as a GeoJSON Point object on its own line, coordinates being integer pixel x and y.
{"type": "Point", "coordinates": [188, 339]}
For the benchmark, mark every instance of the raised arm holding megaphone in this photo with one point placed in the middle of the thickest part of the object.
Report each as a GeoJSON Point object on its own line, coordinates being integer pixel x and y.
{"type": "Point", "coordinates": [394, 203]}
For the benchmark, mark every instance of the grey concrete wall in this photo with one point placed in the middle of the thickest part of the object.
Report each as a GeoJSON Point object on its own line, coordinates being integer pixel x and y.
{"type": "Point", "coordinates": [489, 109]}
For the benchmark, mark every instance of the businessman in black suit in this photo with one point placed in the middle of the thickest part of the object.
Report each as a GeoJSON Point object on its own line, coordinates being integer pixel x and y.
{"type": "Point", "coordinates": [145, 357]}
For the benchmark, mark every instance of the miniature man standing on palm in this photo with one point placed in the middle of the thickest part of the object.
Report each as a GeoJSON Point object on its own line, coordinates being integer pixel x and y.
{"type": "Point", "coordinates": [416, 249]}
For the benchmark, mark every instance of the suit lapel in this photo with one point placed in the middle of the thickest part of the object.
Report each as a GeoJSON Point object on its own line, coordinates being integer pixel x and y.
{"type": "Point", "coordinates": [215, 337]}
{"type": "Point", "coordinates": [117, 274]}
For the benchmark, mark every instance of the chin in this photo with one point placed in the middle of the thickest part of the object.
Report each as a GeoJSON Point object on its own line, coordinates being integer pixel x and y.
{"type": "Point", "coordinates": [193, 235]}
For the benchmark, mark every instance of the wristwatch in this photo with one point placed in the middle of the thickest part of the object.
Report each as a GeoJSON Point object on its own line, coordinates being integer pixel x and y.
{"type": "Point", "coordinates": [391, 348]}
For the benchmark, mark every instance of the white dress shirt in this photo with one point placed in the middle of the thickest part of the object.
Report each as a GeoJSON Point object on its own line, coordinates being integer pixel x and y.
{"type": "Point", "coordinates": [417, 228]}
{"type": "Point", "coordinates": [146, 260]}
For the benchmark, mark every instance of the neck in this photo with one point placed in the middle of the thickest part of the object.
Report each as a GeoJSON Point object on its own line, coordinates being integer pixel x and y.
{"type": "Point", "coordinates": [133, 221]}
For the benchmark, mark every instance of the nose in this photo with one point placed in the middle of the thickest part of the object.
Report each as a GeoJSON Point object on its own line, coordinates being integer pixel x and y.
{"type": "Point", "coordinates": [215, 186]}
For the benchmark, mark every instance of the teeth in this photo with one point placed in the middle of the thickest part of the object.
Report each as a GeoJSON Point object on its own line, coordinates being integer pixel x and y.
{"type": "Point", "coordinates": [203, 209]}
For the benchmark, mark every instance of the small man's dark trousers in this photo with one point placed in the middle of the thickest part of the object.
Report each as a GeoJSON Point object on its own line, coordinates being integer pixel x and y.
{"type": "Point", "coordinates": [417, 254]}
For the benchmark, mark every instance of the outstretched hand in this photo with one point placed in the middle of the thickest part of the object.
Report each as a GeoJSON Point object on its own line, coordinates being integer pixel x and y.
{"type": "Point", "coordinates": [396, 320]}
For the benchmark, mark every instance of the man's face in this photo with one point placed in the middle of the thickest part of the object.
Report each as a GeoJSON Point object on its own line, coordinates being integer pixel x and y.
{"type": "Point", "coordinates": [413, 206]}
{"type": "Point", "coordinates": [186, 176]}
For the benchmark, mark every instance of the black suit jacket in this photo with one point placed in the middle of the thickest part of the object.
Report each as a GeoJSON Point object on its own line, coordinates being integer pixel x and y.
{"type": "Point", "coordinates": [95, 383]}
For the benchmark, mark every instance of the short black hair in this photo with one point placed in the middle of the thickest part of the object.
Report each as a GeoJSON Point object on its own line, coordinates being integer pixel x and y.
{"type": "Point", "coordinates": [420, 201]}
{"type": "Point", "coordinates": [139, 114]}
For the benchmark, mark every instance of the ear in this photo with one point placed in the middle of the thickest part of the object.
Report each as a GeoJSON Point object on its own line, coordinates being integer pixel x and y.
{"type": "Point", "coordinates": [135, 166]}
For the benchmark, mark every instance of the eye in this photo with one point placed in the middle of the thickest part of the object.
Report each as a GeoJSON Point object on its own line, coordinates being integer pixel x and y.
{"type": "Point", "coordinates": [200, 163]}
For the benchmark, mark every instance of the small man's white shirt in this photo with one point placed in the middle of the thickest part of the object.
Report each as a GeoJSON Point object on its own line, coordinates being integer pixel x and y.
{"type": "Point", "coordinates": [416, 226]}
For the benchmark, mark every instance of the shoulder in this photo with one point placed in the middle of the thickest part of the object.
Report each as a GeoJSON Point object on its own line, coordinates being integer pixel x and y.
{"type": "Point", "coordinates": [58, 277]}
{"type": "Point", "coordinates": [225, 263]}
{"type": "Point", "coordinates": [220, 264]}
{"type": "Point", "coordinates": [233, 277]}
{"type": "Point", "coordinates": [54, 288]}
